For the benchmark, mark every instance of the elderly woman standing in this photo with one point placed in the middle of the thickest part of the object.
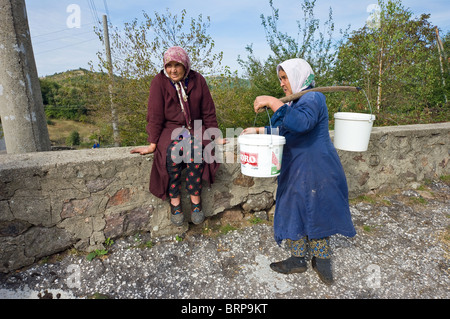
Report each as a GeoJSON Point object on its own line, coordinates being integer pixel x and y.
{"type": "Point", "coordinates": [312, 195]}
{"type": "Point", "coordinates": [178, 97]}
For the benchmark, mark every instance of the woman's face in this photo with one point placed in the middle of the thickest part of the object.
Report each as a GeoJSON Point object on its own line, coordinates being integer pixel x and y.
{"type": "Point", "coordinates": [175, 71]}
{"type": "Point", "coordinates": [284, 82]}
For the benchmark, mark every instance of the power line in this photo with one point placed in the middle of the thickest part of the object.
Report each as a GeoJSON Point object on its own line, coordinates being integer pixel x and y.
{"type": "Point", "coordinates": [64, 37]}
{"type": "Point", "coordinates": [107, 10]}
{"type": "Point", "coordinates": [58, 31]}
{"type": "Point", "coordinates": [93, 10]}
{"type": "Point", "coordinates": [67, 46]}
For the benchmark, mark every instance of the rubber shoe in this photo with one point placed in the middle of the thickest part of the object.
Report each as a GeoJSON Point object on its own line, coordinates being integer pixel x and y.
{"type": "Point", "coordinates": [176, 215]}
{"type": "Point", "coordinates": [290, 266]}
{"type": "Point", "coordinates": [323, 268]}
{"type": "Point", "coordinates": [197, 215]}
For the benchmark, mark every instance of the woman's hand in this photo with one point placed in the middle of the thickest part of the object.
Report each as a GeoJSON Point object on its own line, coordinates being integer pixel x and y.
{"type": "Point", "coordinates": [221, 141]}
{"type": "Point", "coordinates": [143, 150]}
{"type": "Point", "coordinates": [253, 130]}
{"type": "Point", "coordinates": [266, 101]}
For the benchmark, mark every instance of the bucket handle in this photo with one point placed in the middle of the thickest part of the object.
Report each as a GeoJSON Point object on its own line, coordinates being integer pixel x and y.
{"type": "Point", "coordinates": [370, 107]}
{"type": "Point", "coordinates": [358, 89]}
{"type": "Point", "coordinates": [270, 123]}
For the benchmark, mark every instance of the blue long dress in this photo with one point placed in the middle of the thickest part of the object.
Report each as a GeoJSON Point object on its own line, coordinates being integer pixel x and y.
{"type": "Point", "coordinates": [312, 194]}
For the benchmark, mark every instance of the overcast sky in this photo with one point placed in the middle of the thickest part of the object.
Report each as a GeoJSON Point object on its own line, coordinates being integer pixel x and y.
{"type": "Point", "coordinates": [59, 45]}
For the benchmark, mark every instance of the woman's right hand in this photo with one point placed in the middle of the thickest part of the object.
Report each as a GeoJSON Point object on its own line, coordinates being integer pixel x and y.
{"type": "Point", "coordinates": [266, 101]}
{"type": "Point", "coordinates": [143, 150]}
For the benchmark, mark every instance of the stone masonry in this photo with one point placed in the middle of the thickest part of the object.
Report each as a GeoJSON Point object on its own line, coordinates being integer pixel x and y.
{"type": "Point", "coordinates": [52, 201]}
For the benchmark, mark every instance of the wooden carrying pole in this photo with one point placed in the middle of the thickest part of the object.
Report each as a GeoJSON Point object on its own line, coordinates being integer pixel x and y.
{"type": "Point", "coordinates": [325, 89]}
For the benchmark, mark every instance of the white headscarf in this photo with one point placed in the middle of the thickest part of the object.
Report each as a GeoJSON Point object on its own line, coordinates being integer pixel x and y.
{"type": "Point", "coordinates": [299, 73]}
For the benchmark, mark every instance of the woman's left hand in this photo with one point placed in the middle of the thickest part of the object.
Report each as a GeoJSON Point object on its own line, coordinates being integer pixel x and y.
{"type": "Point", "coordinates": [267, 101]}
{"type": "Point", "coordinates": [221, 141]}
{"type": "Point", "coordinates": [143, 150]}
{"type": "Point", "coordinates": [253, 130]}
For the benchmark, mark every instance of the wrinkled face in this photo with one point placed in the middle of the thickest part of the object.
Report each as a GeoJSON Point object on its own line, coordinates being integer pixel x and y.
{"type": "Point", "coordinates": [175, 71]}
{"type": "Point", "coordinates": [284, 82]}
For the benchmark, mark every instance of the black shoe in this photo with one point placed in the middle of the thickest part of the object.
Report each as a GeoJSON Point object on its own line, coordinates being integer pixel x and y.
{"type": "Point", "coordinates": [290, 266]}
{"type": "Point", "coordinates": [323, 268]}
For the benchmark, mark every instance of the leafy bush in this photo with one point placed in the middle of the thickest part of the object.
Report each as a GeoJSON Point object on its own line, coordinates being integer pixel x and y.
{"type": "Point", "coordinates": [73, 139]}
{"type": "Point", "coordinates": [75, 113]}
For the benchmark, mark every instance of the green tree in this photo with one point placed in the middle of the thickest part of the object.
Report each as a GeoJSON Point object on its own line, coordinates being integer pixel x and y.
{"type": "Point", "coordinates": [65, 96]}
{"type": "Point", "coordinates": [395, 60]}
{"type": "Point", "coordinates": [49, 90]}
{"type": "Point", "coordinates": [233, 99]}
{"type": "Point", "coordinates": [138, 49]}
{"type": "Point", "coordinates": [310, 44]}
{"type": "Point", "coordinates": [137, 54]}
{"type": "Point", "coordinates": [444, 50]}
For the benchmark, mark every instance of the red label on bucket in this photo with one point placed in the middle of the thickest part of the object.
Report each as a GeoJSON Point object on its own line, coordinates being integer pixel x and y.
{"type": "Point", "coordinates": [249, 158]}
{"type": "Point", "coordinates": [274, 159]}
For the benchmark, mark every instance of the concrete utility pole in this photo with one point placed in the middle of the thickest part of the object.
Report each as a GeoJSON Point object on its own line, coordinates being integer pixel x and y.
{"type": "Point", "coordinates": [21, 107]}
{"type": "Point", "coordinates": [115, 121]}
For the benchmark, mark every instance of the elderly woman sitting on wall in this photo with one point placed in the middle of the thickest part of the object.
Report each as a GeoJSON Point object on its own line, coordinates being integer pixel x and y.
{"type": "Point", "coordinates": [179, 97]}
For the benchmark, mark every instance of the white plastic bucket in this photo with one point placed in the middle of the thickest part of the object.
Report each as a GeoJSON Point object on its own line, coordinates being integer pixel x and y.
{"type": "Point", "coordinates": [352, 131]}
{"type": "Point", "coordinates": [261, 154]}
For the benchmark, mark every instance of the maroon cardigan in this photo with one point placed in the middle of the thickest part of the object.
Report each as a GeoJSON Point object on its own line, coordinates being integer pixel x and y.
{"type": "Point", "coordinates": [164, 115]}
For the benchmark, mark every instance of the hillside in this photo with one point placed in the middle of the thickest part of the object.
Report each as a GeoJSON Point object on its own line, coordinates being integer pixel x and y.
{"type": "Point", "coordinates": [70, 100]}
{"type": "Point", "coordinates": [72, 95]}
{"type": "Point", "coordinates": [62, 76]}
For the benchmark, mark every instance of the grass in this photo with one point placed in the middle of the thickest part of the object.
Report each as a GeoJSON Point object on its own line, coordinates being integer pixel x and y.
{"type": "Point", "coordinates": [445, 179]}
{"type": "Point", "coordinates": [227, 228]}
{"type": "Point", "coordinates": [369, 199]}
{"type": "Point", "coordinates": [255, 220]}
{"type": "Point", "coordinates": [59, 130]}
{"type": "Point", "coordinates": [418, 200]}
{"type": "Point", "coordinates": [96, 253]}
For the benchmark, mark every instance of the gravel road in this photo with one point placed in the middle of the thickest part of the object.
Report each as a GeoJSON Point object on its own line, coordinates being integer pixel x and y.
{"type": "Point", "coordinates": [401, 251]}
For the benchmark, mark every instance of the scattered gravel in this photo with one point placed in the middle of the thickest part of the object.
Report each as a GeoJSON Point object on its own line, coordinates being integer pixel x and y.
{"type": "Point", "coordinates": [401, 251]}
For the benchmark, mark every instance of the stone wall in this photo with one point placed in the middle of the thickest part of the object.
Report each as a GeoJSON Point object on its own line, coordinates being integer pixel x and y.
{"type": "Point", "coordinates": [53, 201]}
{"type": "Point", "coordinates": [398, 156]}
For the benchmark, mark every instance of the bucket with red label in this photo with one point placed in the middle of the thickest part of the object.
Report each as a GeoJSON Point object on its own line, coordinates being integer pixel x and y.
{"type": "Point", "coordinates": [260, 154]}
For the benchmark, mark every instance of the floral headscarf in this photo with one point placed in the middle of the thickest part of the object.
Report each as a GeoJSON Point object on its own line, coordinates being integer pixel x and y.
{"type": "Point", "coordinates": [177, 54]}
{"type": "Point", "coordinates": [299, 73]}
